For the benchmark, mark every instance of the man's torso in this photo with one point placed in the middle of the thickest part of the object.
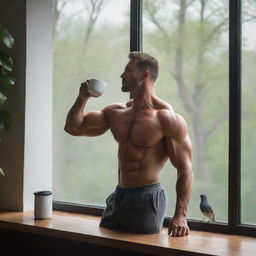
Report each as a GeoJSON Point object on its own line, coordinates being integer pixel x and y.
{"type": "Point", "coordinates": [140, 136]}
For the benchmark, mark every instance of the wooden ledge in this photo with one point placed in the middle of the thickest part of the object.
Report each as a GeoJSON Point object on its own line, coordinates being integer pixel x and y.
{"type": "Point", "coordinates": [85, 228]}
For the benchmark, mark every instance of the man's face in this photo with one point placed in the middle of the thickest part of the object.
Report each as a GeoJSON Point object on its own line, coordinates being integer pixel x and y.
{"type": "Point", "coordinates": [131, 77]}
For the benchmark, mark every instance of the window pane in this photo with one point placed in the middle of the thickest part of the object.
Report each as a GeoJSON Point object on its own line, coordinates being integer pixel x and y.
{"type": "Point", "coordinates": [88, 43]}
{"type": "Point", "coordinates": [248, 162]}
{"type": "Point", "coordinates": [190, 40]}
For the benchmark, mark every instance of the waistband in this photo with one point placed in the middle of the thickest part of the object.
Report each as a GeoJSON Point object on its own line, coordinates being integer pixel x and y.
{"type": "Point", "coordinates": [151, 187]}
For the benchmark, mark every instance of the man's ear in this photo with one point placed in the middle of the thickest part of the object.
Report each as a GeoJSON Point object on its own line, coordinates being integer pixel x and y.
{"type": "Point", "coordinates": [144, 76]}
{"type": "Point", "coordinates": [147, 74]}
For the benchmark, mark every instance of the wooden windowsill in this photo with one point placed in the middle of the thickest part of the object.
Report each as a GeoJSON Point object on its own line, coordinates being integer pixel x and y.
{"type": "Point", "coordinates": [85, 228]}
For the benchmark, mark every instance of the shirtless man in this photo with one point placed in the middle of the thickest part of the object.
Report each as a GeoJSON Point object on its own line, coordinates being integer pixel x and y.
{"type": "Point", "coordinates": [148, 133]}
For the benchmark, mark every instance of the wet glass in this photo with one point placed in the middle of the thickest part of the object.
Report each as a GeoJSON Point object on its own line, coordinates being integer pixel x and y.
{"type": "Point", "coordinates": [248, 134]}
{"type": "Point", "coordinates": [88, 43]}
{"type": "Point", "coordinates": [190, 40]}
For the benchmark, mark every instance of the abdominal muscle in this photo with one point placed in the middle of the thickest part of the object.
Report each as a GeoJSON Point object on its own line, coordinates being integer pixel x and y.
{"type": "Point", "coordinates": [140, 166]}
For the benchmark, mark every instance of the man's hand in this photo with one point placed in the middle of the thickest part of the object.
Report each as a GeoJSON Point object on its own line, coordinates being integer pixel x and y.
{"type": "Point", "coordinates": [83, 91]}
{"type": "Point", "coordinates": [178, 226]}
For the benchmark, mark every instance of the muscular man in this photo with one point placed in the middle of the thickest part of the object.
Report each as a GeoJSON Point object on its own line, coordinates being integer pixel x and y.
{"type": "Point", "coordinates": [148, 132]}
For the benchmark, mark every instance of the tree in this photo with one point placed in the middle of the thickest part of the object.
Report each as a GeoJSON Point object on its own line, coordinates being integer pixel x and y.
{"type": "Point", "coordinates": [191, 38]}
{"type": "Point", "coordinates": [92, 8]}
{"type": "Point", "coordinates": [76, 160]}
{"type": "Point", "coordinates": [204, 33]}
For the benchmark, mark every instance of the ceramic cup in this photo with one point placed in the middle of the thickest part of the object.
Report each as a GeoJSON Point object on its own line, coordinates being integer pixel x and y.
{"type": "Point", "coordinates": [43, 205]}
{"type": "Point", "coordinates": [96, 87]}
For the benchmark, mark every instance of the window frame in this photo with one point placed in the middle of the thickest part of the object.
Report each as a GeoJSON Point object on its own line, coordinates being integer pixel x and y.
{"type": "Point", "coordinates": [234, 225]}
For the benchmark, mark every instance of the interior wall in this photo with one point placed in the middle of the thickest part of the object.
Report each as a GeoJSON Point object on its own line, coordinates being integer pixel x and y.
{"type": "Point", "coordinates": [13, 17]}
{"type": "Point", "coordinates": [38, 118]}
{"type": "Point", "coordinates": [26, 149]}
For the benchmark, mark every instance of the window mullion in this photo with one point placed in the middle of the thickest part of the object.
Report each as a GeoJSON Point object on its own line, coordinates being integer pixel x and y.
{"type": "Point", "coordinates": [234, 113]}
{"type": "Point", "coordinates": [136, 26]}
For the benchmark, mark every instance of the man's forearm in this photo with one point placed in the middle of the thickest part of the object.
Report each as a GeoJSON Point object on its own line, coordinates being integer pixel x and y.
{"type": "Point", "coordinates": [183, 190]}
{"type": "Point", "coordinates": [75, 116]}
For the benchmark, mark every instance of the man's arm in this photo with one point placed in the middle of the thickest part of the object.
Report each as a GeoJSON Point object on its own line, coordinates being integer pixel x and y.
{"type": "Point", "coordinates": [81, 123]}
{"type": "Point", "coordinates": [179, 149]}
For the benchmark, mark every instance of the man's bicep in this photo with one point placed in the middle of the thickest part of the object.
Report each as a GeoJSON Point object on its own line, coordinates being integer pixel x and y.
{"type": "Point", "coordinates": [169, 146]}
{"type": "Point", "coordinates": [184, 153]}
{"type": "Point", "coordinates": [95, 119]}
{"type": "Point", "coordinates": [94, 124]}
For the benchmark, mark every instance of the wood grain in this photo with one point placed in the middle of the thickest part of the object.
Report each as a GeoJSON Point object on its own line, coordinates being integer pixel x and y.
{"type": "Point", "coordinates": [86, 228]}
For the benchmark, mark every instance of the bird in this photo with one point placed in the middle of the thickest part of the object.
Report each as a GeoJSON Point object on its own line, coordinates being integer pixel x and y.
{"type": "Point", "coordinates": [206, 208]}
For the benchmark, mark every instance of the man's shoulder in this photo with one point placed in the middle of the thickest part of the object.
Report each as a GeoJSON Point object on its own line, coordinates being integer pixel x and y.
{"type": "Point", "coordinates": [170, 117]}
{"type": "Point", "coordinates": [119, 105]}
{"type": "Point", "coordinates": [114, 106]}
{"type": "Point", "coordinates": [164, 110]}
{"type": "Point", "coordinates": [172, 122]}
{"type": "Point", "coordinates": [167, 116]}
{"type": "Point", "coordinates": [162, 106]}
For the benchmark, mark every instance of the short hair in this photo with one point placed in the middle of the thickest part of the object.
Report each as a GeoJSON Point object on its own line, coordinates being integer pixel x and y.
{"type": "Point", "coordinates": [145, 61]}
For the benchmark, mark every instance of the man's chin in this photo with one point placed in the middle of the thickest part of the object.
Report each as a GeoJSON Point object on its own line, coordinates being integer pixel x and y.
{"type": "Point", "coordinates": [125, 89]}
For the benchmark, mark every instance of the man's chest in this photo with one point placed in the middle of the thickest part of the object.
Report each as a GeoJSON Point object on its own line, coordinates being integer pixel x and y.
{"type": "Point", "coordinates": [141, 129]}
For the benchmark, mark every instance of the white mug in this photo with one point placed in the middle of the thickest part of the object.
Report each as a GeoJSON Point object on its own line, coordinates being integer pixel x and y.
{"type": "Point", "coordinates": [96, 87]}
{"type": "Point", "coordinates": [43, 205]}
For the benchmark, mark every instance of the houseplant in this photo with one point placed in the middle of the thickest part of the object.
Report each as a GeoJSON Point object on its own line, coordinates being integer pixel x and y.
{"type": "Point", "coordinates": [6, 66]}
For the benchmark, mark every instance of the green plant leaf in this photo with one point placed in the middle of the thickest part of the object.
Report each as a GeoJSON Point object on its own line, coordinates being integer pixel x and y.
{"type": "Point", "coordinates": [4, 71]}
{"type": "Point", "coordinates": [1, 172]}
{"type": "Point", "coordinates": [6, 61]}
{"type": "Point", "coordinates": [5, 37]}
{"type": "Point", "coordinates": [3, 98]}
{"type": "Point", "coordinates": [2, 89]}
{"type": "Point", "coordinates": [7, 79]}
{"type": "Point", "coordinates": [5, 120]}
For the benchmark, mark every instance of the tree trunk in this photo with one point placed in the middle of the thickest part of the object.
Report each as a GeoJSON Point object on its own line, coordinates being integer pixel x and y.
{"type": "Point", "coordinates": [191, 100]}
{"type": "Point", "coordinates": [201, 156]}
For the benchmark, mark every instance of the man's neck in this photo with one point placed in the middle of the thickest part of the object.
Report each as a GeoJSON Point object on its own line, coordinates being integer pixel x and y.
{"type": "Point", "coordinates": [143, 98]}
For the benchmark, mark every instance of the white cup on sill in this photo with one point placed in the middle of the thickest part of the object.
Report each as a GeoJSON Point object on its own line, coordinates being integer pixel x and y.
{"type": "Point", "coordinates": [43, 205]}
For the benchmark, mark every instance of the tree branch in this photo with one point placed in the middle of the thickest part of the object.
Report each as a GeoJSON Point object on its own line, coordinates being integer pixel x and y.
{"type": "Point", "coordinates": [214, 126]}
{"type": "Point", "coordinates": [94, 9]}
{"type": "Point", "coordinates": [150, 13]}
{"type": "Point", "coordinates": [56, 13]}
{"type": "Point", "coordinates": [189, 3]}
{"type": "Point", "coordinates": [179, 59]}
{"type": "Point", "coordinates": [216, 29]}
{"type": "Point", "coordinates": [249, 19]}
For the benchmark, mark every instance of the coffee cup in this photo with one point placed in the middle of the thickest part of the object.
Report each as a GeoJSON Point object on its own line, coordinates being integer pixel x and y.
{"type": "Point", "coordinates": [96, 87]}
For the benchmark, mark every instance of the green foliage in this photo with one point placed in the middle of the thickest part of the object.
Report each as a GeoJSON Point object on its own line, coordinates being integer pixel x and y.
{"type": "Point", "coordinates": [4, 120]}
{"type": "Point", "coordinates": [5, 37]}
{"type": "Point", "coordinates": [6, 66]}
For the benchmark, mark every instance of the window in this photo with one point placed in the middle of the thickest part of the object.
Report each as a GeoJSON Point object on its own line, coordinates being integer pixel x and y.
{"type": "Point", "coordinates": [190, 39]}
{"type": "Point", "coordinates": [198, 46]}
{"type": "Point", "coordinates": [88, 43]}
{"type": "Point", "coordinates": [248, 148]}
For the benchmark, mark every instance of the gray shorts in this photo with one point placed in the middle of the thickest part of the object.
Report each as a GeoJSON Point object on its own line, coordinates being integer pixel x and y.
{"type": "Point", "coordinates": [137, 210]}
